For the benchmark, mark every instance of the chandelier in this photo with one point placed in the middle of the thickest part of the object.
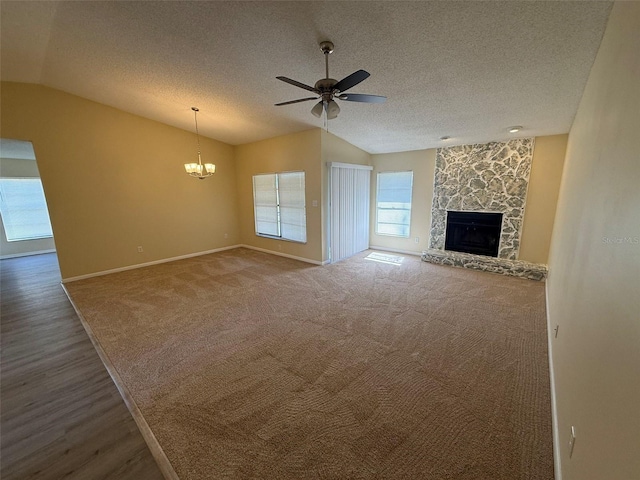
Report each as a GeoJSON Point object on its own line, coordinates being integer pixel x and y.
{"type": "Point", "coordinates": [199, 170]}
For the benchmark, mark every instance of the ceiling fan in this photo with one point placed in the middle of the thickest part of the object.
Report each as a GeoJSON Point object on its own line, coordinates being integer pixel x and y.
{"type": "Point", "coordinates": [328, 89]}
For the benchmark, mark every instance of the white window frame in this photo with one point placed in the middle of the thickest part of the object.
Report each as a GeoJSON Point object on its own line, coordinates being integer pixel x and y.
{"type": "Point", "coordinates": [24, 221]}
{"type": "Point", "coordinates": [278, 203]}
{"type": "Point", "coordinates": [379, 208]}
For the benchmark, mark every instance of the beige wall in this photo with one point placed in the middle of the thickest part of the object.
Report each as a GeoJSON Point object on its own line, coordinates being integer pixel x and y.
{"type": "Point", "coordinates": [544, 184]}
{"type": "Point", "coordinates": [294, 152]}
{"type": "Point", "coordinates": [112, 172]}
{"type": "Point", "coordinates": [335, 149]}
{"type": "Point", "coordinates": [422, 163]}
{"type": "Point", "coordinates": [21, 168]}
{"type": "Point", "coordinates": [542, 197]}
{"type": "Point", "coordinates": [114, 181]}
{"type": "Point", "coordinates": [594, 276]}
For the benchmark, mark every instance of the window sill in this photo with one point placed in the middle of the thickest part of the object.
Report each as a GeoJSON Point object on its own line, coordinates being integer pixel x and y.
{"type": "Point", "coordinates": [273, 237]}
{"type": "Point", "coordinates": [392, 235]}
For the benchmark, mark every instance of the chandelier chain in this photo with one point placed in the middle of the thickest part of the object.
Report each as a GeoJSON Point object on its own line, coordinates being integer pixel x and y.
{"type": "Point", "coordinates": [195, 115]}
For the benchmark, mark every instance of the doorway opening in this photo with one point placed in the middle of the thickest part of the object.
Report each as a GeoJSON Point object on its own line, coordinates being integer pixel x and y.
{"type": "Point", "coordinates": [25, 227]}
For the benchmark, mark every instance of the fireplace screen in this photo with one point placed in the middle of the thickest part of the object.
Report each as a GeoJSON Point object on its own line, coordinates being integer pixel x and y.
{"type": "Point", "coordinates": [473, 232]}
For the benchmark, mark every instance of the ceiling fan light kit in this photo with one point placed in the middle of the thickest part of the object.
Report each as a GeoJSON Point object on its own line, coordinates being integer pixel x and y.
{"type": "Point", "coordinates": [328, 89]}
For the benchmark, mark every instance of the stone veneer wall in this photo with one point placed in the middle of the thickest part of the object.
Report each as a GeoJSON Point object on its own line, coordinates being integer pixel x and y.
{"type": "Point", "coordinates": [490, 177]}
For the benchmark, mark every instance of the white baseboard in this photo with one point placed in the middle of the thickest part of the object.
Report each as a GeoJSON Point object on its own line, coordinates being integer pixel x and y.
{"type": "Point", "coordinates": [147, 264]}
{"type": "Point", "coordinates": [554, 404]}
{"type": "Point", "coordinates": [190, 255]}
{"type": "Point", "coordinates": [27, 254]}
{"type": "Point", "coordinates": [394, 250]}
{"type": "Point", "coordinates": [280, 254]}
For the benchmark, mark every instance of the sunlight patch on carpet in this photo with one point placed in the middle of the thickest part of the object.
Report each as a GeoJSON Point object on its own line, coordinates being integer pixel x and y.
{"type": "Point", "coordinates": [385, 258]}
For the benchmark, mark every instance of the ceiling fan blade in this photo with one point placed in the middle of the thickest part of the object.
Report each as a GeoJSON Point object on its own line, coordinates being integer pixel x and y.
{"type": "Point", "coordinates": [333, 109]}
{"type": "Point", "coordinates": [351, 81]}
{"type": "Point", "coordinates": [296, 101]}
{"type": "Point", "coordinates": [360, 97]}
{"type": "Point", "coordinates": [297, 84]}
{"type": "Point", "coordinates": [317, 109]}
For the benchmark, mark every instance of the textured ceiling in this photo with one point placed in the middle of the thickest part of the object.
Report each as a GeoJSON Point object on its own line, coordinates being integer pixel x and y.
{"type": "Point", "coordinates": [463, 69]}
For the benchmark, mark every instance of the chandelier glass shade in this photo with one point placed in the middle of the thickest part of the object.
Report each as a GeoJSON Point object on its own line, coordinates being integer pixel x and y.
{"type": "Point", "coordinates": [199, 170]}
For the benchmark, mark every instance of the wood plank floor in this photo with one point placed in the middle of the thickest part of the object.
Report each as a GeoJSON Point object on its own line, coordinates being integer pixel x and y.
{"type": "Point", "coordinates": [62, 416]}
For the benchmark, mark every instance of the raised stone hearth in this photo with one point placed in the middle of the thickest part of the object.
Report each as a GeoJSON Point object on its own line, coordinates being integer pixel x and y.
{"type": "Point", "coordinates": [504, 266]}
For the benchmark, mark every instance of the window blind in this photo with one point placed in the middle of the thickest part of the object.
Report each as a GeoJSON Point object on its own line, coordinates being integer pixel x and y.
{"type": "Point", "coordinates": [279, 205]}
{"type": "Point", "coordinates": [393, 208]}
{"type": "Point", "coordinates": [349, 187]}
{"type": "Point", "coordinates": [291, 190]}
{"type": "Point", "coordinates": [24, 209]}
{"type": "Point", "coordinates": [265, 197]}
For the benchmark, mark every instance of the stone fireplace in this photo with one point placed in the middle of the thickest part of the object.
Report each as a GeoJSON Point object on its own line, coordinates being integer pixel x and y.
{"type": "Point", "coordinates": [492, 178]}
{"type": "Point", "coordinates": [480, 193]}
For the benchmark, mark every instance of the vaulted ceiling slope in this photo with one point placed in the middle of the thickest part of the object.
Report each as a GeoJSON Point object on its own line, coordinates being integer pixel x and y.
{"type": "Point", "coordinates": [463, 69]}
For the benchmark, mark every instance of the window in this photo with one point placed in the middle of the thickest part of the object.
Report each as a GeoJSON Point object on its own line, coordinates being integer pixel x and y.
{"type": "Point", "coordinates": [24, 209]}
{"type": "Point", "coordinates": [279, 206]}
{"type": "Point", "coordinates": [393, 207]}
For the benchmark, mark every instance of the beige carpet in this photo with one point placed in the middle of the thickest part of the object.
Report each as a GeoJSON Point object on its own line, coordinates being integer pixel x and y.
{"type": "Point", "coordinates": [248, 365]}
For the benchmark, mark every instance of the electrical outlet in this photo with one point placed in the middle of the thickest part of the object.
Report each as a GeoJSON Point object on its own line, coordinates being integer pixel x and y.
{"type": "Point", "coordinates": [226, 235]}
{"type": "Point", "coordinates": [314, 203]}
{"type": "Point", "coordinates": [572, 440]}
{"type": "Point", "coordinates": [140, 250]}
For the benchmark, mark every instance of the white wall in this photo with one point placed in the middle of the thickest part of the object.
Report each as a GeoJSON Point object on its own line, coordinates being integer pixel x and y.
{"type": "Point", "coordinates": [594, 279]}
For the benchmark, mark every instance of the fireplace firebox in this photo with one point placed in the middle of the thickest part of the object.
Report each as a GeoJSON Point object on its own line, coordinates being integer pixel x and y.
{"type": "Point", "coordinates": [473, 232]}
